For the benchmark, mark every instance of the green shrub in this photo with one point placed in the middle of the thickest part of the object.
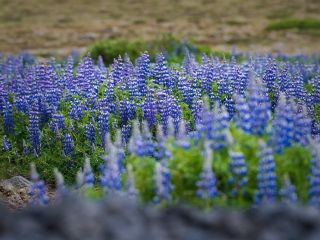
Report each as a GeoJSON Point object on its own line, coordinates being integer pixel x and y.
{"type": "Point", "coordinates": [302, 24]}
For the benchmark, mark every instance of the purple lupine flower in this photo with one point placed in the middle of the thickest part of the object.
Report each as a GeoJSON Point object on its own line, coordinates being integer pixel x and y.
{"type": "Point", "coordinates": [288, 192]}
{"type": "Point", "coordinates": [120, 150]}
{"type": "Point", "coordinates": [259, 106]}
{"type": "Point", "coordinates": [90, 134]}
{"type": "Point", "coordinates": [142, 73]}
{"type": "Point", "coordinates": [79, 179]}
{"type": "Point", "coordinates": [34, 131]}
{"type": "Point", "coordinates": [88, 173]}
{"type": "Point", "coordinates": [25, 147]}
{"type": "Point", "coordinates": [37, 191]}
{"type": "Point", "coordinates": [266, 178]}
{"type": "Point", "coordinates": [149, 108]}
{"type": "Point", "coordinates": [314, 177]}
{"type": "Point", "coordinates": [110, 180]}
{"type": "Point", "coordinates": [217, 131]}
{"type": "Point", "coordinates": [185, 88]}
{"type": "Point", "coordinates": [125, 133]}
{"type": "Point", "coordinates": [282, 125]}
{"type": "Point", "coordinates": [8, 119]}
{"type": "Point", "coordinates": [6, 144]}
{"type": "Point", "coordinates": [68, 145]}
{"type": "Point", "coordinates": [60, 187]}
{"type": "Point", "coordinates": [161, 72]}
{"type": "Point", "coordinates": [161, 151]}
{"type": "Point", "coordinates": [182, 138]}
{"type": "Point", "coordinates": [76, 111]}
{"type": "Point", "coordinates": [132, 192]}
{"type": "Point", "coordinates": [302, 125]}
{"type": "Point", "coordinates": [207, 184]}
{"type": "Point", "coordinates": [103, 120]}
{"type": "Point", "coordinates": [127, 111]}
{"type": "Point", "coordinates": [243, 117]}
{"type": "Point", "coordinates": [163, 186]}
{"type": "Point", "coordinates": [239, 172]}
{"type": "Point", "coordinates": [270, 74]}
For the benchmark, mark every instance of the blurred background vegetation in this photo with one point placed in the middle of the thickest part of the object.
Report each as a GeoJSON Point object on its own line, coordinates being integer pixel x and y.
{"type": "Point", "coordinates": [60, 26]}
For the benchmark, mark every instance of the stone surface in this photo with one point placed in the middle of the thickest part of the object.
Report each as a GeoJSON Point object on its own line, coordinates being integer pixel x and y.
{"type": "Point", "coordinates": [14, 191]}
{"type": "Point", "coordinates": [75, 218]}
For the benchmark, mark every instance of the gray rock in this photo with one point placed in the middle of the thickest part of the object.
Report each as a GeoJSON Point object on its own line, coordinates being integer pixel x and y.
{"type": "Point", "coordinates": [117, 218]}
{"type": "Point", "coordinates": [14, 191]}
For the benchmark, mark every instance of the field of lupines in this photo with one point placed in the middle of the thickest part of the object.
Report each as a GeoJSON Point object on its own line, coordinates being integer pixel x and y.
{"type": "Point", "coordinates": [208, 131]}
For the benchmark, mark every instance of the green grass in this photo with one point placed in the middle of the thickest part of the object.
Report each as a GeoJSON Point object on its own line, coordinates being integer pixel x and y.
{"type": "Point", "coordinates": [174, 48]}
{"type": "Point", "coordinates": [292, 23]}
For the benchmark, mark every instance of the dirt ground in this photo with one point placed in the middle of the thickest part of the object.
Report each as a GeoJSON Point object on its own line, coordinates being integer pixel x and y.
{"type": "Point", "coordinates": [58, 26]}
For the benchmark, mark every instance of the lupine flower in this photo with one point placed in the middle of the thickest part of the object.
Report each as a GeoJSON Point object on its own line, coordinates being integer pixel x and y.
{"type": "Point", "coordinates": [314, 177]}
{"type": "Point", "coordinates": [282, 125]}
{"type": "Point", "coordinates": [131, 189]}
{"type": "Point", "coordinates": [103, 126]}
{"type": "Point", "coordinates": [288, 192]}
{"type": "Point", "coordinates": [37, 191]}
{"type": "Point", "coordinates": [8, 119]}
{"type": "Point", "coordinates": [207, 183]}
{"type": "Point", "coordinates": [90, 134]}
{"type": "Point", "coordinates": [87, 173]}
{"type": "Point", "coordinates": [243, 117]}
{"type": "Point", "coordinates": [266, 177]}
{"type": "Point", "coordinates": [259, 106]}
{"type": "Point", "coordinates": [182, 138]}
{"type": "Point", "coordinates": [25, 147]}
{"type": "Point", "coordinates": [60, 187]}
{"type": "Point", "coordinates": [149, 108]}
{"type": "Point", "coordinates": [110, 180]}
{"type": "Point", "coordinates": [161, 72]}
{"type": "Point", "coordinates": [79, 179]}
{"type": "Point", "coordinates": [239, 172]}
{"type": "Point", "coordinates": [162, 182]}
{"type": "Point", "coordinates": [34, 132]}
{"type": "Point", "coordinates": [6, 144]}
{"type": "Point", "coordinates": [68, 145]}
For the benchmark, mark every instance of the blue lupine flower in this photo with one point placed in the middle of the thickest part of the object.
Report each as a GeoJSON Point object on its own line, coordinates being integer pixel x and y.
{"type": "Point", "coordinates": [88, 173]}
{"type": "Point", "coordinates": [259, 106]}
{"type": "Point", "coordinates": [103, 120]}
{"type": "Point", "coordinates": [6, 144]}
{"type": "Point", "coordinates": [182, 138]}
{"type": "Point", "coordinates": [132, 192]}
{"type": "Point", "coordinates": [266, 178]}
{"type": "Point", "coordinates": [8, 119]}
{"type": "Point", "coordinates": [161, 73]}
{"type": "Point", "coordinates": [126, 132]}
{"type": "Point", "coordinates": [127, 111]}
{"type": "Point", "coordinates": [243, 117]}
{"type": "Point", "coordinates": [163, 187]}
{"type": "Point", "coordinates": [239, 172]}
{"type": "Point", "coordinates": [90, 133]}
{"type": "Point", "coordinates": [37, 191]}
{"type": "Point", "coordinates": [68, 145]}
{"type": "Point", "coordinates": [270, 74]}
{"type": "Point", "coordinates": [288, 192]}
{"type": "Point", "coordinates": [282, 125]}
{"type": "Point", "coordinates": [302, 125]}
{"type": "Point", "coordinates": [207, 184]}
{"type": "Point", "coordinates": [149, 108]}
{"type": "Point", "coordinates": [25, 147]}
{"type": "Point", "coordinates": [60, 187]}
{"type": "Point", "coordinates": [314, 177]}
{"type": "Point", "coordinates": [34, 132]}
{"type": "Point", "coordinates": [110, 180]}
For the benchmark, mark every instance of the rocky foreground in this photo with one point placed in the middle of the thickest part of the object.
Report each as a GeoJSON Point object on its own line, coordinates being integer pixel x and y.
{"type": "Point", "coordinates": [75, 218]}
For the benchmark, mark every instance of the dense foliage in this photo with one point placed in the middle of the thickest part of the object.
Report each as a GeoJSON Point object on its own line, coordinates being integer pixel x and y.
{"type": "Point", "coordinates": [206, 132]}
